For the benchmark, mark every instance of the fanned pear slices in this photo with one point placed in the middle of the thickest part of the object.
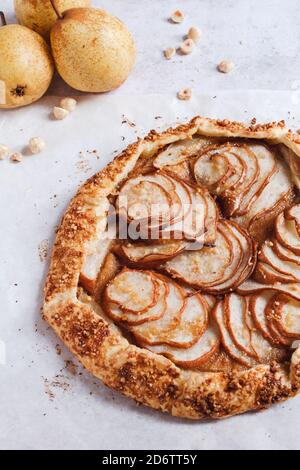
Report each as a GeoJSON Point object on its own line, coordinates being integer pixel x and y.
{"type": "Point", "coordinates": [289, 269]}
{"type": "Point", "coordinates": [194, 356]}
{"type": "Point", "coordinates": [134, 291]}
{"type": "Point", "coordinates": [279, 259]}
{"type": "Point", "coordinates": [235, 308]}
{"type": "Point", "coordinates": [149, 199]}
{"type": "Point", "coordinates": [153, 331]}
{"type": "Point", "coordinates": [228, 343]}
{"type": "Point", "coordinates": [241, 337]}
{"type": "Point", "coordinates": [243, 263]}
{"type": "Point", "coordinates": [257, 307]}
{"type": "Point", "coordinates": [268, 275]}
{"type": "Point", "coordinates": [284, 253]}
{"type": "Point", "coordinates": [149, 254]}
{"type": "Point", "coordinates": [178, 152]}
{"type": "Point", "coordinates": [155, 312]}
{"type": "Point", "coordinates": [293, 213]}
{"type": "Point", "coordinates": [219, 169]}
{"type": "Point", "coordinates": [213, 170]}
{"type": "Point", "coordinates": [192, 325]}
{"type": "Point", "coordinates": [251, 286]}
{"type": "Point", "coordinates": [237, 173]}
{"type": "Point", "coordinates": [287, 234]}
{"type": "Point", "coordinates": [204, 267]}
{"type": "Point", "coordinates": [199, 216]}
{"type": "Point", "coordinates": [199, 353]}
{"type": "Point", "coordinates": [260, 307]}
{"type": "Point", "coordinates": [266, 351]}
{"type": "Point", "coordinates": [220, 268]}
{"type": "Point", "coordinates": [287, 315]}
{"type": "Point", "coordinates": [276, 196]}
{"type": "Point", "coordinates": [160, 207]}
{"type": "Point", "coordinates": [181, 170]}
{"type": "Point", "coordinates": [267, 167]}
{"type": "Point", "coordinates": [272, 317]}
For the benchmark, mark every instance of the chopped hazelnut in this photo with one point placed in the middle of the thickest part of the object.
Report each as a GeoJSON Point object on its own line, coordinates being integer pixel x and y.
{"type": "Point", "coordinates": [16, 157]}
{"type": "Point", "coordinates": [194, 34]}
{"type": "Point", "coordinates": [184, 94]}
{"type": "Point", "coordinates": [60, 113]}
{"type": "Point", "coordinates": [187, 46]}
{"type": "Point", "coordinates": [225, 66]}
{"type": "Point", "coordinates": [169, 52]}
{"type": "Point", "coordinates": [68, 103]}
{"type": "Point", "coordinates": [36, 144]}
{"type": "Point", "coordinates": [177, 16]}
{"type": "Point", "coordinates": [4, 151]}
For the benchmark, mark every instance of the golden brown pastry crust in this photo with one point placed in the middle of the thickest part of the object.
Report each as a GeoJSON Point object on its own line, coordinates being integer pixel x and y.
{"type": "Point", "coordinates": [152, 379]}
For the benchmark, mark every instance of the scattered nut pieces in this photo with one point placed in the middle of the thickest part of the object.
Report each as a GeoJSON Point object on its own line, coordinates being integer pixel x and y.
{"type": "Point", "coordinates": [4, 151]}
{"type": "Point", "coordinates": [184, 94]}
{"type": "Point", "coordinates": [194, 34]}
{"type": "Point", "coordinates": [16, 157]}
{"type": "Point", "coordinates": [60, 113]}
{"type": "Point", "coordinates": [187, 46]}
{"type": "Point", "coordinates": [68, 103]}
{"type": "Point", "coordinates": [169, 52]}
{"type": "Point", "coordinates": [225, 66]}
{"type": "Point", "coordinates": [177, 16]}
{"type": "Point", "coordinates": [36, 144]}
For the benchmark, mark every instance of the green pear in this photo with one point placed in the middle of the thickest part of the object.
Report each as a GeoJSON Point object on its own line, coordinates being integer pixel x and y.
{"type": "Point", "coordinates": [40, 15]}
{"type": "Point", "coordinates": [26, 66]}
{"type": "Point", "coordinates": [93, 51]}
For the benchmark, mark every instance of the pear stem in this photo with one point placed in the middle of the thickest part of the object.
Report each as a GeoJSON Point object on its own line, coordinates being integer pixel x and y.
{"type": "Point", "coordinates": [2, 19]}
{"type": "Point", "coordinates": [54, 6]}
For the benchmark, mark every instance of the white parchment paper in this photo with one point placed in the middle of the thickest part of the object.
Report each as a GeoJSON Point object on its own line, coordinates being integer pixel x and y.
{"type": "Point", "coordinates": [46, 401]}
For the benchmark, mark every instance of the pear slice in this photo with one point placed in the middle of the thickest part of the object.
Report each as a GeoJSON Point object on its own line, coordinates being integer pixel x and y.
{"type": "Point", "coordinates": [180, 151]}
{"type": "Point", "coordinates": [228, 343]}
{"type": "Point", "coordinates": [134, 291]}
{"type": "Point", "coordinates": [153, 313]}
{"type": "Point", "coordinates": [287, 312]}
{"type": "Point", "coordinates": [235, 308]}
{"type": "Point", "coordinates": [250, 286]}
{"type": "Point", "coordinates": [157, 331]}
{"type": "Point", "coordinates": [195, 356]}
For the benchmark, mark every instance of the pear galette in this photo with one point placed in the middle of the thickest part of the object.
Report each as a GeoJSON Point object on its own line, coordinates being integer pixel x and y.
{"type": "Point", "coordinates": [175, 275]}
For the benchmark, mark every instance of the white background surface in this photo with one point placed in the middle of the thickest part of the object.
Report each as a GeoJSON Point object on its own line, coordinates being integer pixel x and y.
{"type": "Point", "coordinates": [35, 193]}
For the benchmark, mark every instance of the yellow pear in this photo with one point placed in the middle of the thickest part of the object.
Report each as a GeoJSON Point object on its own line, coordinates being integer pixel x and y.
{"type": "Point", "coordinates": [93, 51]}
{"type": "Point", "coordinates": [40, 15]}
{"type": "Point", "coordinates": [26, 66]}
